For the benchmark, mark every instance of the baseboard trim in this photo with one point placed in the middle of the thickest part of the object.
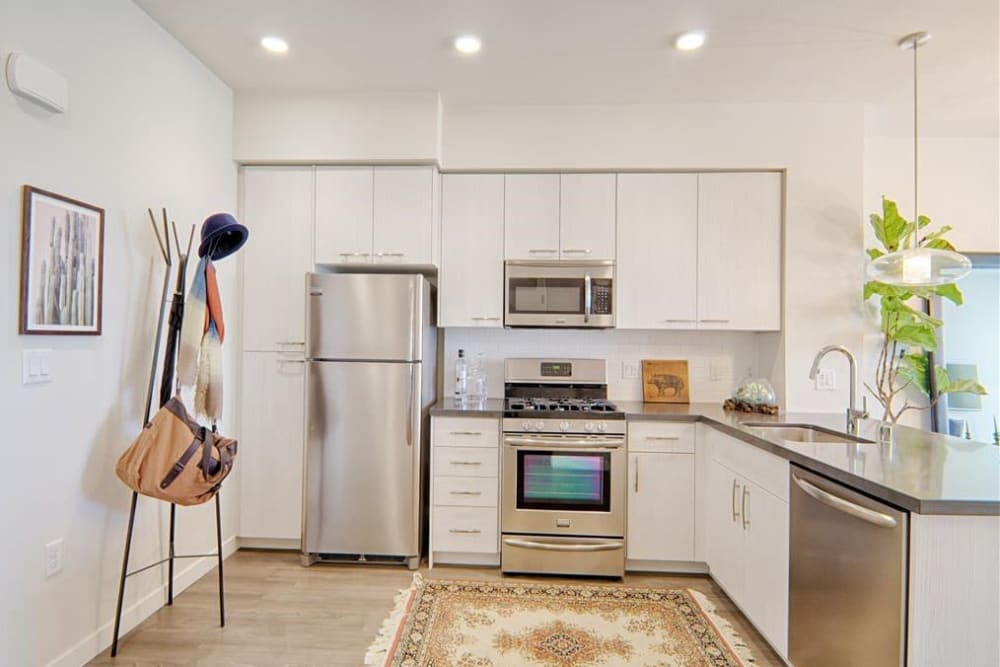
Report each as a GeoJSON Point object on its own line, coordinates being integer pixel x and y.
{"type": "Point", "coordinates": [666, 566]}
{"type": "Point", "coordinates": [98, 641]}
{"type": "Point", "coordinates": [275, 543]}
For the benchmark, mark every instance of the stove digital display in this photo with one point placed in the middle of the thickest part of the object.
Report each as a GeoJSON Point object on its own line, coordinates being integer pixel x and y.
{"type": "Point", "coordinates": [556, 369]}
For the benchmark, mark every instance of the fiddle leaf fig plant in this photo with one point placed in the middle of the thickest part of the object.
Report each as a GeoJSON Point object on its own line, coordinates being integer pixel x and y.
{"type": "Point", "coordinates": [908, 332]}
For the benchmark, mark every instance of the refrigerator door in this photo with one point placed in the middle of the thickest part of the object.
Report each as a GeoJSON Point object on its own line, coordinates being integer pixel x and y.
{"type": "Point", "coordinates": [366, 316]}
{"type": "Point", "coordinates": [362, 460]}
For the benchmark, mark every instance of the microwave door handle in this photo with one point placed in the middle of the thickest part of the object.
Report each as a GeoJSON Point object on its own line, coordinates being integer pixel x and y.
{"type": "Point", "coordinates": [588, 299]}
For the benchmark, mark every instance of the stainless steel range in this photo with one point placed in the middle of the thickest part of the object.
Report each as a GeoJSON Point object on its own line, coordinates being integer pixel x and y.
{"type": "Point", "coordinates": [564, 470]}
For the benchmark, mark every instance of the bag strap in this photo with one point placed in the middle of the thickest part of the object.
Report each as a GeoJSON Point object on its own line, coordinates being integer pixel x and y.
{"type": "Point", "coordinates": [178, 466]}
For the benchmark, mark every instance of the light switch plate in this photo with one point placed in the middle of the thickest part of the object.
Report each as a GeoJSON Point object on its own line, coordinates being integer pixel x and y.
{"type": "Point", "coordinates": [826, 379]}
{"type": "Point", "coordinates": [630, 370]}
{"type": "Point", "coordinates": [35, 366]}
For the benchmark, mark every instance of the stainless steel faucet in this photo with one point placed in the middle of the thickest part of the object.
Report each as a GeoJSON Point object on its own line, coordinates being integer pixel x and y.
{"type": "Point", "coordinates": [854, 416]}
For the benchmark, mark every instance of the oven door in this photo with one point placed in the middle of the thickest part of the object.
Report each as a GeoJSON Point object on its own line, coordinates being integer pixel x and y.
{"type": "Point", "coordinates": [559, 294]}
{"type": "Point", "coordinates": [563, 485]}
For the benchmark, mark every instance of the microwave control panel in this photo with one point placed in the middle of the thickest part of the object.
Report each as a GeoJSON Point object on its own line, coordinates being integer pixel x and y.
{"type": "Point", "coordinates": [601, 294]}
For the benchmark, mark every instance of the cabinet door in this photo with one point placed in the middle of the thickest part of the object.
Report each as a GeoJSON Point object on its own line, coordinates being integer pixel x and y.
{"type": "Point", "coordinates": [531, 216]}
{"type": "Point", "coordinates": [739, 251]}
{"type": "Point", "coordinates": [724, 534]}
{"type": "Point", "coordinates": [661, 507]}
{"type": "Point", "coordinates": [471, 280]}
{"type": "Point", "coordinates": [765, 552]}
{"type": "Point", "coordinates": [344, 215]}
{"type": "Point", "coordinates": [278, 210]}
{"type": "Point", "coordinates": [657, 251]}
{"type": "Point", "coordinates": [404, 222]}
{"type": "Point", "coordinates": [587, 216]}
{"type": "Point", "coordinates": [271, 440]}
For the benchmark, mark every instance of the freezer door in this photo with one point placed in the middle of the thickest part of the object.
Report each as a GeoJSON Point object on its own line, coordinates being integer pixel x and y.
{"type": "Point", "coordinates": [362, 463]}
{"type": "Point", "coordinates": [365, 316]}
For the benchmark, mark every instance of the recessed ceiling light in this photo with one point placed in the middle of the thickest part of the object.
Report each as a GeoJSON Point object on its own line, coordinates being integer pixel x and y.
{"type": "Point", "coordinates": [468, 44]}
{"type": "Point", "coordinates": [690, 40]}
{"type": "Point", "coordinates": [274, 44]}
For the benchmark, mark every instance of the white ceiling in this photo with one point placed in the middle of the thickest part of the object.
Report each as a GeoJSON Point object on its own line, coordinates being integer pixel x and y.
{"type": "Point", "coordinates": [613, 51]}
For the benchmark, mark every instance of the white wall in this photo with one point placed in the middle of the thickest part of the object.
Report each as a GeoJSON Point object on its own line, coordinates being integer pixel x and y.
{"type": "Point", "coordinates": [148, 125]}
{"type": "Point", "coordinates": [373, 127]}
{"type": "Point", "coordinates": [821, 146]}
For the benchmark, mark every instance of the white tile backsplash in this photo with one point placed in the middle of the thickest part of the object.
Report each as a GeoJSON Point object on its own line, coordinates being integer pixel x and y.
{"type": "Point", "coordinates": [729, 354]}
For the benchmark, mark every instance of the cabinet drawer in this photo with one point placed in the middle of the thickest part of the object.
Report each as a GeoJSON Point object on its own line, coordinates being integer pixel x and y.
{"type": "Point", "coordinates": [465, 461]}
{"type": "Point", "coordinates": [469, 529]}
{"type": "Point", "coordinates": [467, 491]}
{"type": "Point", "coordinates": [466, 432]}
{"type": "Point", "coordinates": [768, 471]}
{"type": "Point", "coordinates": [654, 436]}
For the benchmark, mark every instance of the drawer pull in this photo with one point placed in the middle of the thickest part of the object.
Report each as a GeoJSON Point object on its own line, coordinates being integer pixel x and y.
{"type": "Point", "coordinates": [581, 251]}
{"type": "Point", "coordinates": [485, 319]}
{"type": "Point", "coordinates": [715, 321]}
{"type": "Point", "coordinates": [466, 432]}
{"type": "Point", "coordinates": [663, 437]}
{"type": "Point", "coordinates": [539, 251]}
{"type": "Point", "coordinates": [674, 320]}
{"type": "Point", "coordinates": [466, 463]}
{"type": "Point", "coordinates": [465, 531]}
{"type": "Point", "coordinates": [354, 254]}
{"type": "Point", "coordinates": [466, 493]}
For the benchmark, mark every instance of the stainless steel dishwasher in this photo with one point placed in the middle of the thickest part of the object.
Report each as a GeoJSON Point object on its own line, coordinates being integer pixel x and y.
{"type": "Point", "coordinates": [848, 572]}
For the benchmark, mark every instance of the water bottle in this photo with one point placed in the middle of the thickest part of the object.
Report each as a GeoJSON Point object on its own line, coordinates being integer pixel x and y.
{"type": "Point", "coordinates": [461, 376]}
{"type": "Point", "coordinates": [476, 383]}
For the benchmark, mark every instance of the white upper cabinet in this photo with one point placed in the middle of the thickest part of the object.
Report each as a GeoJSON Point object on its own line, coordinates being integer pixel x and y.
{"type": "Point", "coordinates": [404, 215]}
{"type": "Point", "coordinates": [587, 216]}
{"type": "Point", "coordinates": [657, 270]}
{"type": "Point", "coordinates": [471, 279]}
{"type": "Point", "coordinates": [739, 251]}
{"type": "Point", "coordinates": [344, 215]}
{"type": "Point", "coordinates": [531, 216]}
{"type": "Point", "coordinates": [375, 215]}
{"type": "Point", "coordinates": [278, 210]}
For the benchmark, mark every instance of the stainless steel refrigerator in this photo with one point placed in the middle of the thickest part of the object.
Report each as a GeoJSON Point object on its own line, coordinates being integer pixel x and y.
{"type": "Point", "coordinates": [370, 382]}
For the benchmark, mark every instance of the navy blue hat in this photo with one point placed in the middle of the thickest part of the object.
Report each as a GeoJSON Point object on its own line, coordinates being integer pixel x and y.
{"type": "Point", "coordinates": [222, 235]}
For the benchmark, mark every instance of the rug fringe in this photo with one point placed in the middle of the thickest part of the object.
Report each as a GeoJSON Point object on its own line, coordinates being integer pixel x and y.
{"type": "Point", "coordinates": [725, 629]}
{"type": "Point", "coordinates": [378, 653]}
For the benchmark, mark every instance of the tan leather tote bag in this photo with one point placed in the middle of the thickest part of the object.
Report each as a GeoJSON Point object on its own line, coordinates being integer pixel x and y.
{"type": "Point", "coordinates": [176, 459]}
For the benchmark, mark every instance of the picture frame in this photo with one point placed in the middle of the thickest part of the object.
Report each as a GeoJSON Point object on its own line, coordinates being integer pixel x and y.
{"type": "Point", "coordinates": [62, 265]}
{"type": "Point", "coordinates": [665, 381]}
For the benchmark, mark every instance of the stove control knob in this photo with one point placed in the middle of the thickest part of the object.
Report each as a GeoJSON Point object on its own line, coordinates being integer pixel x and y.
{"type": "Point", "coordinates": [563, 426]}
{"type": "Point", "coordinates": [589, 426]}
{"type": "Point", "coordinates": [602, 427]}
{"type": "Point", "coordinates": [539, 425]}
{"type": "Point", "coordinates": [526, 425]}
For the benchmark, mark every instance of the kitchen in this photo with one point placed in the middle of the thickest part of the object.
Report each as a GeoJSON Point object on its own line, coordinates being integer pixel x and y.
{"type": "Point", "coordinates": [457, 186]}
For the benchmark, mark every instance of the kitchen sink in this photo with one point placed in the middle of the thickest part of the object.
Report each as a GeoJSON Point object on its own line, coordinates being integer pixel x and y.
{"type": "Point", "coordinates": [799, 433]}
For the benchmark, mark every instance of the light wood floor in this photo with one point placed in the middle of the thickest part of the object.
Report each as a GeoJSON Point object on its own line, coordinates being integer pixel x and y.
{"type": "Point", "coordinates": [282, 614]}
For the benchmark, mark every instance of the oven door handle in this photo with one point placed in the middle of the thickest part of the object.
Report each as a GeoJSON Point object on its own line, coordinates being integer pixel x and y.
{"type": "Point", "coordinates": [550, 546]}
{"type": "Point", "coordinates": [564, 444]}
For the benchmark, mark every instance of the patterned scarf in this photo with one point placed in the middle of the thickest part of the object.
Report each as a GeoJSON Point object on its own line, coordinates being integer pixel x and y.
{"type": "Point", "coordinates": [199, 361]}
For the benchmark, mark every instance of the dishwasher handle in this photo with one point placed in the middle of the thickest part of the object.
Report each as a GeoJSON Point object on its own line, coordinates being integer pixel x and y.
{"type": "Point", "coordinates": [846, 506]}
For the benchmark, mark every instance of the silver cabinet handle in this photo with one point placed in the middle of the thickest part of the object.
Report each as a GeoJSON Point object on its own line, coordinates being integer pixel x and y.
{"type": "Point", "coordinates": [466, 432]}
{"type": "Point", "coordinates": [580, 251]}
{"type": "Point", "coordinates": [466, 493]}
{"type": "Point", "coordinates": [291, 361]}
{"type": "Point", "coordinates": [637, 474]}
{"type": "Point", "coordinates": [663, 437]}
{"type": "Point", "coordinates": [846, 506]}
{"type": "Point", "coordinates": [539, 251]}
{"type": "Point", "coordinates": [465, 531]}
{"type": "Point", "coordinates": [354, 254]}
{"type": "Point", "coordinates": [714, 321]}
{"type": "Point", "coordinates": [466, 463]}
{"type": "Point", "coordinates": [390, 254]}
{"type": "Point", "coordinates": [552, 443]}
{"type": "Point", "coordinates": [485, 319]}
{"type": "Point", "coordinates": [293, 342]}
{"type": "Point", "coordinates": [736, 487]}
{"type": "Point", "coordinates": [744, 507]}
{"type": "Point", "coordinates": [552, 546]}
{"type": "Point", "coordinates": [675, 320]}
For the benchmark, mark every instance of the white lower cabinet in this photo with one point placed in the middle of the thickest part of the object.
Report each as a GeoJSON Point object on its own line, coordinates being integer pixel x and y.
{"type": "Point", "coordinates": [747, 533]}
{"type": "Point", "coordinates": [465, 491]}
{"type": "Point", "coordinates": [270, 447]}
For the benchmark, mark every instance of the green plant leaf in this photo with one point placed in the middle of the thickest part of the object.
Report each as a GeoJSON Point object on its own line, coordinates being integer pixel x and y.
{"type": "Point", "coordinates": [894, 225]}
{"type": "Point", "coordinates": [950, 292]}
{"type": "Point", "coordinates": [878, 227]}
{"type": "Point", "coordinates": [916, 334]}
{"type": "Point", "coordinates": [938, 234]}
{"type": "Point", "coordinates": [964, 387]}
{"type": "Point", "coordinates": [913, 369]}
{"type": "Point", "coordinates": [923, 221]}
{"type": "Point", "coordinates": [920, 316]}
{"type": "Point", "coordinates": [939, 244]}
{"type": "Point", "coordinates": [874, 253]}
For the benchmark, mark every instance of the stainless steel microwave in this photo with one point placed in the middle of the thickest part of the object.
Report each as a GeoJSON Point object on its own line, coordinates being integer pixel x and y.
{"type": "Point", "coordinates": [570, 294]}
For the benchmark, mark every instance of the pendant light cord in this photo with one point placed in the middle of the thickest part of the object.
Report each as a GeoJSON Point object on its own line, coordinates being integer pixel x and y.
{"type": "Point", "coordinates": [916, 215]}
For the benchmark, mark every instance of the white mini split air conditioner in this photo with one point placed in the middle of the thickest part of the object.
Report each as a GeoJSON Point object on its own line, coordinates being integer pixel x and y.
{"type": "Point", "coordinates": [34, 81]}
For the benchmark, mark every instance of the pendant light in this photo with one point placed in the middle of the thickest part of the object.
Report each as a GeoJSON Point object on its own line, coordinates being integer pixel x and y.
{"type": "Point", "coordinates": [912, 266]}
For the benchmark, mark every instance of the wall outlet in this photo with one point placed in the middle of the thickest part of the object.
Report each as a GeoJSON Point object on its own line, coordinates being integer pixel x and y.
{"type": "Point", "coordinates": [54, 556]}
{"type": "Point", "coordinates": [826, 379]}
{"type": "Point", "coordinates": [630, 370]}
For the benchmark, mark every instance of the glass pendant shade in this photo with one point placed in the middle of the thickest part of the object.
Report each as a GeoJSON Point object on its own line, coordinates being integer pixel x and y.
{"type": "Point", "coordinates": [919, 267]}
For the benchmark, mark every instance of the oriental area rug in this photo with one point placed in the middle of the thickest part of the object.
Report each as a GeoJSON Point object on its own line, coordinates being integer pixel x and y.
{"type": "Point", "coordinates": [440, 623]}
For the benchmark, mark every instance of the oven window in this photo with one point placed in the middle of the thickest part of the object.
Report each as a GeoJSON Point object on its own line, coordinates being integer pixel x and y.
{"type": "Point", "coordinates": [546, 295]}
{"type": "Point", "coordinates": [554, 480]}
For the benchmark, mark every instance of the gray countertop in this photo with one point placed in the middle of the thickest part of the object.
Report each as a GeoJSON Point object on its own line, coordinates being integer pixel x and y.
{"type": "Point", "coordinates": [922, 472]}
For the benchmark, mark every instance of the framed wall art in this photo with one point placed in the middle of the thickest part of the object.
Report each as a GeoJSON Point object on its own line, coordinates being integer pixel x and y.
{"type": "Point", "coordinates": [665, 381]}
{"type": "Point", "coordinates": [62, 265]}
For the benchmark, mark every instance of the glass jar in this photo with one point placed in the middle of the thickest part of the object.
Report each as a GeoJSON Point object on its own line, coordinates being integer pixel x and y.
{"type": "Point", "coordinates": [755, 391]}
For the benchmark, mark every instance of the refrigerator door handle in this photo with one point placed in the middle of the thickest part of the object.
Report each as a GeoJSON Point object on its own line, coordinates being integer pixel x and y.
{"type": "Point", "coordinates": [409, 411]}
